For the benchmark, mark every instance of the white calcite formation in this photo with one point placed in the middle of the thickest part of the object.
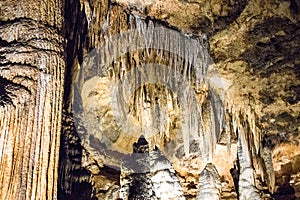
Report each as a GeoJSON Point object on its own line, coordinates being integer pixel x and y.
{"type": "Point", "coordinates": [209, 186]}
{"type": "Point", "coordinates": [149, 175]}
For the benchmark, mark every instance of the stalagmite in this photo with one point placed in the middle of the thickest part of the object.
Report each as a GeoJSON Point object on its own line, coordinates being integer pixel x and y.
{"type": "Point", "coordinates": [209, 186]}
{"type": "Point", "coordinates": [149, 175]}
{"type": "Point", "coordinates": [72, 175]}
{"type": "Point", "coordinates": [247, 188]}
{"type": "Point", "coordinates": [269, 169]}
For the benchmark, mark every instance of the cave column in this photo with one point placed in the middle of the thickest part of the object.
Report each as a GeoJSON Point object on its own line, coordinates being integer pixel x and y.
{"type": "Point", "coordinates": [32, 68]}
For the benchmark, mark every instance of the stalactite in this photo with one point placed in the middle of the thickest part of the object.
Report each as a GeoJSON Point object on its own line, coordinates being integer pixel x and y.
{"type": "Point", "coordinates": [192, 69]}
{"type": "Point", "coordinates": [255, 160]}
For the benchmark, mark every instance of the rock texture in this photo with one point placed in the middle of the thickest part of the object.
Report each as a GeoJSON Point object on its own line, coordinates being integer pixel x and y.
{"type": "Point", "coordinates": [148, 175]}
{"type": "Point", "coordinates": [32, 67]}
{"type": "Point", "coordinates": [209, 186]}
{"type": "Point", "coordinates": [213, 85]}
{"type": "Point", "coordinates": [247, 96]}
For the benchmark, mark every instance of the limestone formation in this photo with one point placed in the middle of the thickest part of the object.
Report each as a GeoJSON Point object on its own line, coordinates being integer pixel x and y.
{"type": "Point", "coordinates": [213, 87]}
{"type": "Point", "coordinates": [209, 186]}
{"type": "Point", "coordinates": [149, 175]}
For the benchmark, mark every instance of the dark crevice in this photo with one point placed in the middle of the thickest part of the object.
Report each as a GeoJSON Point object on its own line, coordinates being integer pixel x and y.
{"type": "Point", "coordinates": [295, 6]}
{"type": "Point", "coordinates": [75, 32]}
{"type": "Point", "coordinates": [74, 181]}
{"type": "Point", "coordinates": [4, 94]}
{"type": "Point", "coordinates": [72, 184]}
{"type": "Point", "coordinates": [4, 43]}
{"type": "Point", "coordinates": [7, 90]}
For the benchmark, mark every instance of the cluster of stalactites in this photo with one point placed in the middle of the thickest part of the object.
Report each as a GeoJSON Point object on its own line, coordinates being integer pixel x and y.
{"type": "Point", "coordinates": [254, 160]}
{"type": "Point", "coordinates": [182, 67]}
{"type": "Point", "coordinates": [188, 54]}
